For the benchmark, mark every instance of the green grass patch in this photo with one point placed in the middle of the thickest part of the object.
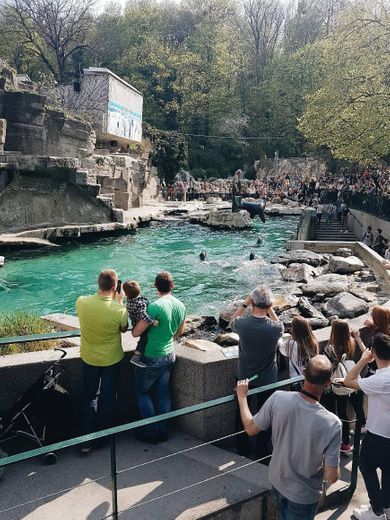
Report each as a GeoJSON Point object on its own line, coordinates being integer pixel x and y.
{"type": "Point", "coordinates": [23, 324]}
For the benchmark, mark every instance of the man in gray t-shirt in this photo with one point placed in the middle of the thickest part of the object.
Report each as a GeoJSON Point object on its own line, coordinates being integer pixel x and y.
{"type": "Point", "coordinates": [259, 335]}
{"type": "Point", "coordinates": [306, 440]}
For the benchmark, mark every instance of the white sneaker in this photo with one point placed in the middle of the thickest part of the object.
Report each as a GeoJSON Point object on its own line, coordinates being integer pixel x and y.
{"type": "Point", "coordinates": [365, 512]}
{"type": "Point", "coordinates": [387, 512]}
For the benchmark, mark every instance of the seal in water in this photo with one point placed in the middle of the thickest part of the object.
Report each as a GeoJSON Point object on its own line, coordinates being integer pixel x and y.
{"type": "Point", "coordinates": [259, 241]}
{"type": "Point", "coordinates": [203, 256]}
{"type": "Point", "coordinates": [252, 256]}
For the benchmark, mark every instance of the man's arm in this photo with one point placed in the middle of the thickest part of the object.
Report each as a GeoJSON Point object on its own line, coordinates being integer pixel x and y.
{"type": "Point", "coordinates": [351, 380]}
{"type": "Point", "coordinates": [241, 309]}
{"type": "Point", "coordinates": [180, 330]}
{"type": "Point", "coordinates": [246, 416]}
{"type": "Point", "coordinates": [331, 475]}
{"type": "Point", "coordinates": [272, 315]}
{"type": "Point", "coordinates": [140, 328]}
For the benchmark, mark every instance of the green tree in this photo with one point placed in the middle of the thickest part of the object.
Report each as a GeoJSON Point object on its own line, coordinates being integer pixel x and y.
{"type": "Point", "coordinates": [350, 113]}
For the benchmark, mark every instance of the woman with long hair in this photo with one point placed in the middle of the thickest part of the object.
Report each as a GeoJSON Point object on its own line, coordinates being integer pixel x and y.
{"type": "Point", "coordinates": [344, 342]}
{"type": "Point", "coordinates": [380, 321]}
{"type": "Point", "coordinates": [301, 347]}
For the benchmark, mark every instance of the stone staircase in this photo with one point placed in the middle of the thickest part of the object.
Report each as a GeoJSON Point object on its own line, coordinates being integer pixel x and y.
{"type": "Point", "coordinates": [333, 233]}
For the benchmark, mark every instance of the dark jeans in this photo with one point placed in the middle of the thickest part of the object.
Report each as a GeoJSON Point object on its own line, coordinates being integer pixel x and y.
{"type": "Point", "coordinates": [142, 342]}
{"type": "Point", "coordinates": [374, 454]}
{"type": "Point", "coordinates": [337, 404]}
{"type": "Point", "coordinates": [99, 396]}
{"type": "Point", "coordinates": [155, 377]}
{"type": "Point", "coordinates": [263, 439]}
{"type": "Point", "coordinates": [293, 511]}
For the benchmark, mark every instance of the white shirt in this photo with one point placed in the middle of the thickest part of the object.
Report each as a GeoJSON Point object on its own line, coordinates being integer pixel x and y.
{"type": "Point", "coordinates": [377, 388]}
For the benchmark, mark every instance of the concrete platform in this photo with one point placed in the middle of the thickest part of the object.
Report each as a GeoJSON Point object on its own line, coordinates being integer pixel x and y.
{"type": "Point", "coordinates": [140, 487]}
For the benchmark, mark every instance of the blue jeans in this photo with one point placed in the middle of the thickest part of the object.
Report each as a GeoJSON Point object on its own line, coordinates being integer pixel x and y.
{"type": "Point", "coordinates": [154, 377]}
{"type": "Point", "coordinates": [99, 396]}
{"type": "Point", "coordinates": [292, 511]}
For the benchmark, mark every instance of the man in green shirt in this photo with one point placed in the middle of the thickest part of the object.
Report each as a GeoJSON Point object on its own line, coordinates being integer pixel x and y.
{"type": "Point", "coordinates": [159, 356]}
{"type": "Point", "coordinates": [102, 319]}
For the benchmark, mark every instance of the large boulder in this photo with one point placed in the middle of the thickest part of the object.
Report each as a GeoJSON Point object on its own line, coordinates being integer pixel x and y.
{"type": "Point", "coordinates": [314, 316]}
{"type": "Point", "coordinates": [227, 312]}
{"type": "Point", "coordinates": [284, 302]}
{"type": "Point", "coordinates": [343, 265]}
{"type": "Point", "coordinates": [327, 284]}
{"type": "Point", "coordinates": [346, 305]}
{"type": "Point", "coordinates": [298, 273]}
{"type": "Point", "coordinates": [299, 256]}
{"type": "Point", "coordinates": [226, 219]}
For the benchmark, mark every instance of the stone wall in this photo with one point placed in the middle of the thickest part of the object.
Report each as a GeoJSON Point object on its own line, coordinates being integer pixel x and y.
{"type": "Point", "coordinates": [31, 201]}
{"type": "Point", "coordinates": [34, 129]}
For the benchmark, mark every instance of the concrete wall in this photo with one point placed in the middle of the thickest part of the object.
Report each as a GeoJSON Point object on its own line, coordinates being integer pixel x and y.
{"type": "Point", "coordinates": [358, 221]}
{"type": "Point", "coordinates": [306, 230]}
{"type": "Point", "coordinates": [32, 200]}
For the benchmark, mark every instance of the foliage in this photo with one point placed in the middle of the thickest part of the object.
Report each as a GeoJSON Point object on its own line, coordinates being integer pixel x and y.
{"type": "Point", "coordinates": [170, 151]}
{"type": "Point", "coordinates": [22, 324]}
{"type": "Point", "coordinates": [266, 75]}
{"type": "Point", "coordinates": [52, 31]}
{"type": "Point", "coordinates": [350, 113]}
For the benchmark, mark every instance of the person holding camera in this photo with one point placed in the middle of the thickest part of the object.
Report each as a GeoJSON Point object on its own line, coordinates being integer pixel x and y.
{"type": "Point", "coordinates": [259, 334]}
{"type": "Point", "coordinates": [102, 319]}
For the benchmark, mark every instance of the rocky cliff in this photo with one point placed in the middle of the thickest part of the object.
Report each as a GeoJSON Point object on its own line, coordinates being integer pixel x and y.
{"type": "Point", "coordinates": [50, 173]}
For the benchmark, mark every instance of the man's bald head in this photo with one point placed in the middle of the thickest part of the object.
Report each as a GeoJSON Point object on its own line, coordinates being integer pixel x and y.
{"type": "Point", "coordinates": [318, 370]}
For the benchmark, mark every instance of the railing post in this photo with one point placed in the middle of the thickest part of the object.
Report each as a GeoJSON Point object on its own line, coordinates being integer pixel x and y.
{"type": "Point", "coordinates": [356, 449]}
{"type": "Point", "coordinates": [114, 485]}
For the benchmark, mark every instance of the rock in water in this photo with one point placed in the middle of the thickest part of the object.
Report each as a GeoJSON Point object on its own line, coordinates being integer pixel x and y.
{"type": "Point", "coordinates": [346, 305]}
{"type": "Point", "coordinates": [327, 284]}
{"type": "Point", "coordinates": [195, 323]}
{"type": "Point", "coordinates": [228, 220]}
{"type": "Point", "coordinates": [299, 256]}
{"type": "Point", "coordinates": [2, 260]}
{"type": "Point", "coordinates": [342, 265]}
{"type": "Point", "coordinates": [227, 339]}
{"type": "Point", "coordinates": [284, 303]}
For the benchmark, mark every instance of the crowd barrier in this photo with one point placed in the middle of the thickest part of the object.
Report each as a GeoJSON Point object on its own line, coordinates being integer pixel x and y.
{"type": "Point", "coordinates": [111, 433]}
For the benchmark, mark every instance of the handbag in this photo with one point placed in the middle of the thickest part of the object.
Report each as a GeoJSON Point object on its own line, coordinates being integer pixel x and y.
{"type": "Point", "coordinates": [343, 368]}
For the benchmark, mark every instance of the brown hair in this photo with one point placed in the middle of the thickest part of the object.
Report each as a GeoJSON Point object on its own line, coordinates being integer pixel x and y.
{"type": "Point", "coordinates": [307, 343]}
{"type": "Point", "coordinates": [164, 282]}
{"type": "Point", "coordinates": [381, 319]}
{"type": "Point", "coordinates": [131, 288]}
{"type": "Point", "coordinates": [107, 280]}
{"type": "Point", "coordinates": [341, 339]}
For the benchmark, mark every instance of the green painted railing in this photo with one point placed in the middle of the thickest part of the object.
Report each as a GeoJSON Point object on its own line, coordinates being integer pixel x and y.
{"type": "Point", "coordinates": [40, 337]}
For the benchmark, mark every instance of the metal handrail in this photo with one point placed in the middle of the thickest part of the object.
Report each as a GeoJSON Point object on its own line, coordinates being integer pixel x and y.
{"type": "Point", "coordinates": [39, 337]}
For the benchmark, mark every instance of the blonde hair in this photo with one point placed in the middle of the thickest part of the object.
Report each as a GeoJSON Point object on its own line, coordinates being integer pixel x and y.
{"type": "Point", "coordinates": [302, 333]}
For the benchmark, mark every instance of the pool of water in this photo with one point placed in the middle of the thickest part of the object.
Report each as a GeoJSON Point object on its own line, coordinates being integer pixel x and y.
{"type": "Point", "coordinates": [51, 281]}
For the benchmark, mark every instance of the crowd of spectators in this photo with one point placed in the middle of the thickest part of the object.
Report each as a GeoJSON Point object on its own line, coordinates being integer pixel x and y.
{"type": "Point", "coordinates": [294, 186]}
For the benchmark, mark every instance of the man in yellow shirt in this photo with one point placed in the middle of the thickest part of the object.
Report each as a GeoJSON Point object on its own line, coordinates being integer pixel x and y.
{"type": "Point", "coordinates": [102, 319]}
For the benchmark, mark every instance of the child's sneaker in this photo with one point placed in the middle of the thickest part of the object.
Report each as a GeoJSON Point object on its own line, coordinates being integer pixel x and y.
{"type": "Point", "coordinates": [136, 360]}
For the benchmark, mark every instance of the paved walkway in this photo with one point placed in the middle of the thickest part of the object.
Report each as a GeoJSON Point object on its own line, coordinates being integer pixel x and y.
{"type": "Point", "coordinates": [141, 487]}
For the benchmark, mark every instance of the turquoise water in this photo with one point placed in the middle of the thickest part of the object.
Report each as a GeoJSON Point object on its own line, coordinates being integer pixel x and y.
{"type": "Point", "coordinates": [46, 282]}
